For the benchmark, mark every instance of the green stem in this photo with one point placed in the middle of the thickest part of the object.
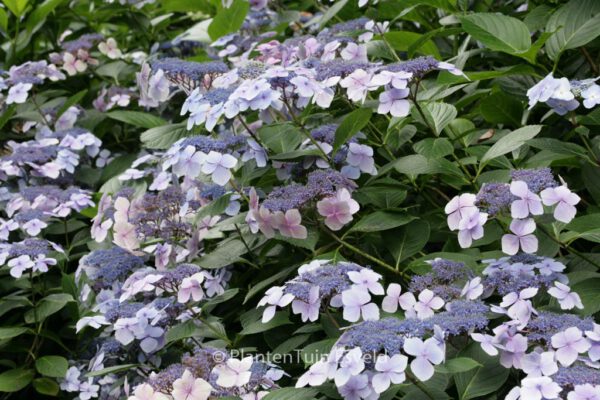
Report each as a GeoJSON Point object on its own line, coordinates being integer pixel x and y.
{"type": "Point", "coordinates": [66, 230]}
{"type": "Point", "coordinates": [239, 231]}
{"type": "Point", "coordinates": [39, 110]}
{"type": "Point", "coordinates": [31, 353]}
{"type": "Point", "coordinates": [365, 255]}
{"type": "Point", "coordinates": [333, 321]}
{"type": "Point", "coordinates": [439, 192]}
{"type": "Point", "coordinates": [240, 191]}
{"type": "Point", "coordinates": [388, 45]}
{"type": "Point", "coordinates": [251, 132]}
{"type": "Point", "coordinates": [215, 330]}
{"type": "Point", "coordinates": [419, 384]}
{"type": "Point", "coordinates": [569, 248]}
{"type": "Point", "coordinates": [589, 59]}
{"type": "Point", "coordinates": [413, 97]}
{"type": "Point", "coordinates": [305, 132]}
{"type": "Point", "coordinates": [13, 48]}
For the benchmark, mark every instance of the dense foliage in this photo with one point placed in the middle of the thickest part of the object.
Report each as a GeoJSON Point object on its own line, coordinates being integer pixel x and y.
{"type": "Point", "coordinates": [393, 199]}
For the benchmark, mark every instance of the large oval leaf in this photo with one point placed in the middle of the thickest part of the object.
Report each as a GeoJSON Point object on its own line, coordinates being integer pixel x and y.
{"type": "Point", "coordinates": [15, 379]}
{"type": "Point", "coordinates": [381, 221]}
{"type": "Point", "coordinates": [48, 306]}
{"type": "Point", "coordinates": [229, 19]}
{"type": "Point", "coordinates": [52, 366]}
{"type": "Point", "coordinates": [498, 32]}
{"type": "Point", "coordinates": [511, 142]}
{"type": "Point", "coordinates": [292, 394]}
{"type": "Point", "coordinates": [436, 115]}
{"type": "Point", "coordinates": [137, 118]}
{"type": "Point", "coordinates": [161, 137]}
{"type": "Point", "coordinates": [575, 24]}
{"type": "Point", "coordinates": [280, 138]}
{"type": "Point", "coordinates": [477, 382]}
{"type": "Point", "coordinates": [350, 126]}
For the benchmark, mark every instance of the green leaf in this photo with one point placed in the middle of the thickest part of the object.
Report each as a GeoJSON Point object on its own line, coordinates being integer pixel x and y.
{"type": "Point", "coordinates": [426, 37]}
{"type": "Point", "coordinates": [537, 18]}
{"type": "Point", "coordinates": [17, 7]}
{"type": "Point", "coordinates": [3, 20]}
{"type": "Point", "coordinates": [408, 240]}
{"type": "Point", "coordinates": [137, 118]}
{"type": "Point", "coordinates": [46, 386]}
{"type": "Point", "coordinates": [292, 394]}
{"type": "Point", "coordinates": [436, 115]}
{"type": "Point", "coordinates": [404, 40]}
{"type": "Point", "coordinates": [7, 115]}
{"type": "Point", "coordinates": [412, 165]}
{"type": "Point", "coordinates": [214, 329]}
{"type": "Point", "coordinates": [586, 227]}
{"type": "Point", "coordinates": [591, 180]}
{"type": "Point", "coordinates": [436, 386]}
{"type": "Point", "coordinates": [351, 125]}
{"type": "Point", "coordinates": [501, 108]}
{"type": "Point", "coordinates": [117, 166]}
{"type": "Point", "coordinates": [227, 252]}
{"type": "Point", "coordinates": [558, 147]}
{"type": "Point", "coordinates": [52, 366]}
{"type": "Point", "coordinates": [382, 195]}
{"type": "Point", "coordinates": [291, 344]}
{"type": "Point", "coordinates": [222, 298]}
{"type": "Point", "coordinates": [186, 6]}
{"type": "Point", "coordinates": [498, 32]}
{"type": "Point", "coordinates": [182, 331]}
{"type": "Point", "coordinates": [59, 228]}
{"type": "Point", "coordinates": [316, 351]}
{"type": "Point", "coordinates": [510, 142]}
{"type": "Point", "coordinates": [67, 281]}
{"type": "Point", "coordinates": [254, 290]}
{"type": "Point", "coordinates": [162, 137]}
{"type": "Point", "coordinates": [48, 306]}
{"type": "Point", "coordinates": [296, 154]}
{"type": "Point", "coordinates": [416, 164]}
{"type": "Point", "coordinates": [434, 148]}
{"type": "Point", "coordinates": [461, 129]}
{"type": "Point", "coordinates": [329, 13]}
{"type": "Point", "coordinates": [592, 118]}
{"type": "Point", "coordinates": [479, 381]}
{"type": "Point", "coordinates": [457, 365]}
{"type": "Point", "coordinates": [280, 138]}
{"type": "Point", "coordinates": [15, 379]}
{"type": "Point", "coordinates": [447, 78]}
{"type": "Point", "coordinates": [531, 54]}
{"type": "Point", "coordinates": [228, 20]}
{"type": "Point", "coordinates": [215, 207]}
{"type": "Point", "coordinates": [37, 18]}
{"type": "Point", "coordinates": [415, 393]}
{"type": "Point", "coordinates": [589, 294]}
{"type": "Point", "coordinates": [575, 24]}
{"type": "Point", "coordinates": [8, 305]}
{"type": "Point", "coordinates": [91, 119]}
{"type": "Point", "coordinates": [75, 99]}
{"type": "Point", "coordinates": [11, 332]}
{"type": "Point", "coordinates": [258, 326]}
{"type": "Point", "coordinates": [113, 69]}
{"type": "Point", "coordinates": [381, 221]}
{"type": "Point", "coordinates": [379, 49]}
{"type": "Point", "coordinates": [110, 370]}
